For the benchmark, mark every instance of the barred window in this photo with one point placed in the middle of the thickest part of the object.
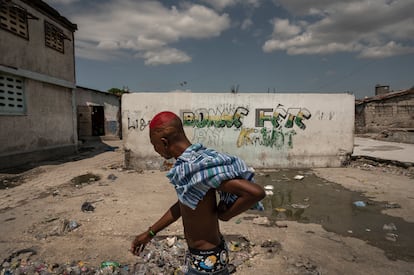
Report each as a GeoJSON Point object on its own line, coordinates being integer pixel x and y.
{"type": "Point", "coordinates": [14, 19]}
{"type": "Point", "coordinates": [12, 98]}
{"type": "Point", "coordinates": [54, 37]}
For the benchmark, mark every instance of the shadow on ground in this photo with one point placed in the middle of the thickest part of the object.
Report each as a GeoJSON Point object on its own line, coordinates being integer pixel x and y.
{"type": "Point", "coordinates": [12, 177]}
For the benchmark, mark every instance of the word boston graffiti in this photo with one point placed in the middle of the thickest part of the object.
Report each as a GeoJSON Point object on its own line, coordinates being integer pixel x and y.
{"type": "Point", "coordinates": [203, 118]}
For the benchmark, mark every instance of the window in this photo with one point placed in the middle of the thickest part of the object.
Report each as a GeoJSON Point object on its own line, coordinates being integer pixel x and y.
{"type": "Point", "coordinates": [54, 37]}
{"type": "Point", "coordinates": [14, 19]}
{"type": "Point", "coordinates": [12, 99]}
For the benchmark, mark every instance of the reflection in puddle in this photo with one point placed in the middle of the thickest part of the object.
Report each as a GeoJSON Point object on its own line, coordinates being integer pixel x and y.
{"type": "Point", "coordinates": [315, 200]}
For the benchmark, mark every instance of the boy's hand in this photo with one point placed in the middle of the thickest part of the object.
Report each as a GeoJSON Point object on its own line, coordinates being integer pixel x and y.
{"type": "Point", "coordinates": [139, 243]}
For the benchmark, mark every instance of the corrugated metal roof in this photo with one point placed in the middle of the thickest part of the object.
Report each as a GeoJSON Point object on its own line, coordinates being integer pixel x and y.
{"type": "Point", "coordinates": [384, 96]}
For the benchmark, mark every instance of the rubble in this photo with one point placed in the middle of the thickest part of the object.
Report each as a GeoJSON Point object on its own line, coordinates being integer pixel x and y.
{"type": "Point", "coordinates": [384, 166]}
{"type": "Point", "coordinates": [163, 255]}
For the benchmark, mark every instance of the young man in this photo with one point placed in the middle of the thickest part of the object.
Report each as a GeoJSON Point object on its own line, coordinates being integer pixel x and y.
{"type": "Point", "coordinates": [197, 174]}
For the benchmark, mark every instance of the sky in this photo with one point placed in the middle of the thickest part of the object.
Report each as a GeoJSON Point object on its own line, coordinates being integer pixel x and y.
{"type": "Point", "coordinates": [252, 46]}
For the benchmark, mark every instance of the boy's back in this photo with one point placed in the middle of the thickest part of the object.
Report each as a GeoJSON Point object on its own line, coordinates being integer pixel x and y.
{"type": "Point", "coordinates": [197, 174]}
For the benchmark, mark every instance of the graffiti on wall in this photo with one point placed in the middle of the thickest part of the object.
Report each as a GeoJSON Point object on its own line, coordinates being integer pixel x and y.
{"type": "Point", "coordinates": [274, 127]}
{"type": "Point", "coordinates": [140, 124]}
{"type": "Point", "coordinates": [217, 118]}
{"type": "Point", "coordinates": [281, 117]}
{"type": "Point", "coordinates": [209, 123]}
{"type": "Point", "coordinates": [266, 137]}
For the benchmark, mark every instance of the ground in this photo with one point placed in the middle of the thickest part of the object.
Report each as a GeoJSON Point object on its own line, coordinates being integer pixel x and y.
{"type": "Point", "coordinates": [39, 206]}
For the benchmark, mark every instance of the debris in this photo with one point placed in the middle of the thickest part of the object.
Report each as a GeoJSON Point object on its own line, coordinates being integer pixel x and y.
{"type": "Point", "coordinates": [271, 247]}
{"type": "Point", "coordinates": [269, 187]}
{"type": "Point", "coordinates": [171, 241]}
{"type": "Point", "coordinates": [234, 246]}
{"type": "Point", "coordinates": [304, 267]}
{"type": "Point", "coordinates": [281, 225]}
{"type": "Point", "coordinates": [87, 207]}
{"type": "Point", "coordinates": [73, 225]}
{"type": "Point", "coordinates": [299, 177]}
{"type": "Point", "coordinates": [391, 237]}
{"type": "Point", "coordinates": [389, 227]}
{"type": "Point", "coordinates": [360, 203]}
{"type": "Point", "coordinates": [112, 177]}
{"type": "Point", "coordinates": [109, 264]}
{"type": "Point", "coordinates": [269, 192]}
{"type": "Point", "coordinates": [392, 205]}
{"type": "Point", "coordinates": [299, 205]}
{"type": "Point", "coordinates": [350, 231]}
{"type": "Point", "coordinates": [68, 226]}
{"type": "Point", "coordinates": [261, 221]}
{"type": "Point", "coordinates": [270, 243]}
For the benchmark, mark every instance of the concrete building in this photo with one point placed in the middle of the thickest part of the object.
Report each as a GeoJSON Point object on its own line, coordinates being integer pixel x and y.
{"type": "Point", "coordinates": [37, 78]}
{"type": "Point", "coordinates": [98, 114]}
{"type": "Point", "coordinates": [267, 130]}
{"type": "Point", "coordinates": [391, 114]}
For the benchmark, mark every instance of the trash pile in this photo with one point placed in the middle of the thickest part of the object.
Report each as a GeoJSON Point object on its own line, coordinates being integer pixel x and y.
{"type": "Point", "coordinates": [163, 255]}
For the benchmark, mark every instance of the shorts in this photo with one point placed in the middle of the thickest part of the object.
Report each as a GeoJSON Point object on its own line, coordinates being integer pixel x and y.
{"type": "Point", "coordinates": [213, 261]}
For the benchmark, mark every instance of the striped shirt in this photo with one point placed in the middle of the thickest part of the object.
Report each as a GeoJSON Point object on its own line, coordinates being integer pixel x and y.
{"type": "Point", "coordinates": [198, 169]}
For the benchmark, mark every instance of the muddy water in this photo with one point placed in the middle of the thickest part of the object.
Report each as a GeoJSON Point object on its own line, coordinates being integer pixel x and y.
{"type": "Point", "coordinates": [315, 200]}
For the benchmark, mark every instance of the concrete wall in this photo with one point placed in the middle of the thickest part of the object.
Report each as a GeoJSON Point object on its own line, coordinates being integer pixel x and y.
{"type": "Point", "coordinates": [32, 54]}
{"type": "Point", "coordinates": [396, 112]}
{"type": "Point", "coordinates": [47, 125]}
{"type": "Point", "coordinates": [267, 130]}
{"type": "Point", "coordinates": [85, 99]}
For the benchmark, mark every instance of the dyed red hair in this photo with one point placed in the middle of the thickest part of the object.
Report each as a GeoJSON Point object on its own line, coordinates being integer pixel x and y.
{"type": "Point", "coordinates": [162, 118]}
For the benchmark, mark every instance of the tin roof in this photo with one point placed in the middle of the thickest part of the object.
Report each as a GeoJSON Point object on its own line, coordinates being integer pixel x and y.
{"type": "Point", "coordinates": [384, 96]}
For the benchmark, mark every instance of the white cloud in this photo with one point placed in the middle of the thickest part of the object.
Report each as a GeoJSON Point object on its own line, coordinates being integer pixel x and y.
{"type": "Point", "coordinates": [145, 29]}
{"type": "Point", "coordinates": [372, 29]}
{"type": "Point", "coordinates": [390, 49]}
{"type": "Point", "coordinates": [283, 28]}
{"type": "Point", "coordinates": [165, 56]}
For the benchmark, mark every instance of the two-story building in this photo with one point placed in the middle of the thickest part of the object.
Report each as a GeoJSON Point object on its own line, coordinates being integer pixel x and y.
{"type": "Point", "coordinates": [37, 82]}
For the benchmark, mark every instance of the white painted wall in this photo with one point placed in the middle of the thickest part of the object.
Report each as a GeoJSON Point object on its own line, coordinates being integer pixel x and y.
{"type": "Point", "coordinates": [308, 130]}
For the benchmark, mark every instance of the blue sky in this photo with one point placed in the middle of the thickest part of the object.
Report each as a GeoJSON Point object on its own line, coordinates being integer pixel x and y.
{"type": "Point", "coordinates": [280, 46]}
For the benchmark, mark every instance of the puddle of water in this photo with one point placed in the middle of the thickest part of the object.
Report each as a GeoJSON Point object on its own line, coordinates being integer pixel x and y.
{"type": "Point", "coordinates": [315, 200]}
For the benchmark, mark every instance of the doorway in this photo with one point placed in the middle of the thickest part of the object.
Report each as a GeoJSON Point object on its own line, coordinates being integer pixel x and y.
{"type": "Point", "coordinates": [98, 121]}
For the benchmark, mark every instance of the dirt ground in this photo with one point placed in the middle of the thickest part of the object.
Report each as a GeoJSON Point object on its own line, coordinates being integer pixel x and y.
{"type": "Point", "coordinates": [39, 204]}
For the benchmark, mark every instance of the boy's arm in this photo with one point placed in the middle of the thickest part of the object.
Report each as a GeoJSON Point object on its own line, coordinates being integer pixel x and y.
{"type": "Point", "coordinates": [172, 214]}
{"type": "Point", "coordinates": [248, 194]}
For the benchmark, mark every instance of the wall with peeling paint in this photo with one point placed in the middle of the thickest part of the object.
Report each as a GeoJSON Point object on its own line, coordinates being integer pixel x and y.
{"type": "Point", "coordinates": [266, 130]}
